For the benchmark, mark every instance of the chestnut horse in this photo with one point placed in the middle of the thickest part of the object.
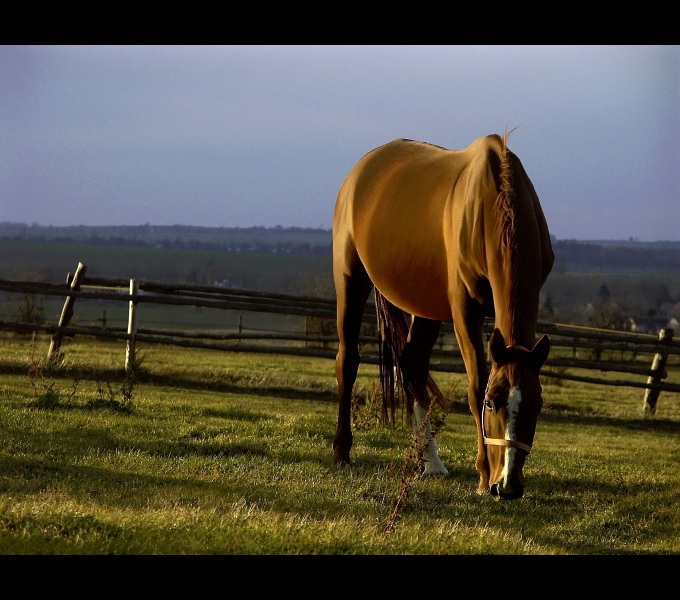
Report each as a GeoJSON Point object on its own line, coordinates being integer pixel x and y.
{"type": "Point", "coordinates": [446, 235]}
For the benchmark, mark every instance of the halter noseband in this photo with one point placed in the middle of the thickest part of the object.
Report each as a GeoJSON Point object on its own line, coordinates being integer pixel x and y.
{"type": "Point", "coordinates": [499, 441]}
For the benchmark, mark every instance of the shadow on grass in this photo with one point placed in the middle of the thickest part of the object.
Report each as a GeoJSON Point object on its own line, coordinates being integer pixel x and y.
{"type": "Point", "coordinates": [555, 414]}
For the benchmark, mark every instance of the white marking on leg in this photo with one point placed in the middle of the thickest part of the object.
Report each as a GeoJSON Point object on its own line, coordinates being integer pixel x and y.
{"type": "Point", "coordinates": [431, 461]}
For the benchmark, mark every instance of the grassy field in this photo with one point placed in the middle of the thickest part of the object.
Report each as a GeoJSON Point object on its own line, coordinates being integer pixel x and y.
{"type": "Point", "coordinates": [227, 453]}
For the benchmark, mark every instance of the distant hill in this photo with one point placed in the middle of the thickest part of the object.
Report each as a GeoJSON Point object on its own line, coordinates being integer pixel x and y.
{"type": "Point", "coordinates": [262, 240]}
{"type": "Point", "coordinates": [609, 255]}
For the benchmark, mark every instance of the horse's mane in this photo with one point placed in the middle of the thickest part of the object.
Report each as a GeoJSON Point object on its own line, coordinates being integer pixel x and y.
{"type": "Point", "coordinates": [505, 203]}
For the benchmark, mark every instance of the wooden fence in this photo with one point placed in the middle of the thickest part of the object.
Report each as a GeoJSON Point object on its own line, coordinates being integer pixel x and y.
{"type": "Point", "coordinates": [319, 338]}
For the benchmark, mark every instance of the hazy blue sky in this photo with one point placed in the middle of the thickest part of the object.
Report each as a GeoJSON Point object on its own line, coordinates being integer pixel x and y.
{"type": "Point", "coordinates": [264, 135]}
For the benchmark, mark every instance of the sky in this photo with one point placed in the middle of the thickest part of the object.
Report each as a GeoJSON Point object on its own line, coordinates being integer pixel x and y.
{"type": "Point", "coordinates": [243, 136]}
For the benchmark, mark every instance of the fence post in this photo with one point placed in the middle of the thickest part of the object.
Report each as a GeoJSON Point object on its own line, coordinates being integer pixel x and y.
{"type": "Point", "coordinates": [66, 314]}
{"type": "Point", "coordinates": [132, 330]}
{"type": "Point", "coordinates": [658, 372]}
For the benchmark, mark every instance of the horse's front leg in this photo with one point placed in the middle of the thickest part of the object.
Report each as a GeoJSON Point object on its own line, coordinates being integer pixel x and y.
{"type": "Point", "coordinates": [468, 316]}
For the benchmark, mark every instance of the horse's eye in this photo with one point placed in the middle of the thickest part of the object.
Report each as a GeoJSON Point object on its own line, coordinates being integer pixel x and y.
{"type": "Point", "coordinates": [488, 404]}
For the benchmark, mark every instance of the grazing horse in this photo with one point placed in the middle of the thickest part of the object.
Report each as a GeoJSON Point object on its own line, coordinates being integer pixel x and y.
{"type": "Point", "coordinates": [446, 235]}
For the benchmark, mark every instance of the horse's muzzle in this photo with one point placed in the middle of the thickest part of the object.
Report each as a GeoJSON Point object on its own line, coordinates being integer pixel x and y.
{"type": "Point", "coordinates": [500, 492]}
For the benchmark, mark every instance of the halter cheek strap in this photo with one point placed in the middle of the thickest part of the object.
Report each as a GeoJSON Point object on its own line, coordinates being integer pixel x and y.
{"type": "Point", "coordinates": [499, 441]}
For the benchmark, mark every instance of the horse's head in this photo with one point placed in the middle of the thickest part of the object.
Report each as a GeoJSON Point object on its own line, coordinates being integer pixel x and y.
{"type": "Point", "coordinates": [510, 410]}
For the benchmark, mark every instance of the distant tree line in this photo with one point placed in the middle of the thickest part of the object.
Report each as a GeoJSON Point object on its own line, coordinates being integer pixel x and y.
{"type": "Point", "coordinates": [261, 240]}
{"type": "Point", "coordinates": [613, 255]}
{"type": "Point", "coordinates": [636, 255]}
{"type": "Point", "coordinates": [255, 246]}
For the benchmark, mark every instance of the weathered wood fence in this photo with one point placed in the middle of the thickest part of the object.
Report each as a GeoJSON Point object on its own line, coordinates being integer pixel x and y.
{"type": "Point", "coordinates": [321, 339]}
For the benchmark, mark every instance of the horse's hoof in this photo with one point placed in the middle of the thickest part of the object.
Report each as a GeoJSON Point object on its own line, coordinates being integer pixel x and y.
{"type": "Point", "coordinates": [433, 469]}
{"type": "Point", "coordinates": [341, 461]}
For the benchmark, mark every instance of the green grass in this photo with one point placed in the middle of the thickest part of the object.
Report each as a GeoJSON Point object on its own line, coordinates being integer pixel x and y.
{"type": "Point", "coordinates": [221, 453]}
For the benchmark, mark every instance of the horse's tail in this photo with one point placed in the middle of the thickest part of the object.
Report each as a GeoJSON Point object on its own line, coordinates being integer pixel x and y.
{"type": "Point", "coordinates": [393, 330]}
{"type": "Point", "coordinates": [392, 336]}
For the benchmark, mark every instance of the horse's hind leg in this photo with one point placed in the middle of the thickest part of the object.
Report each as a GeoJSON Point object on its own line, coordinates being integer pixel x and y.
{"type": "Point", "coordinates": [352, 291]}
{"type": "Point", "coordinates": [415, 366]}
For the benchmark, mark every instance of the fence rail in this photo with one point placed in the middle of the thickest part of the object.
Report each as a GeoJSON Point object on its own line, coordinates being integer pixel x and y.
{"type": "Point", "coordinates": [320, 341]}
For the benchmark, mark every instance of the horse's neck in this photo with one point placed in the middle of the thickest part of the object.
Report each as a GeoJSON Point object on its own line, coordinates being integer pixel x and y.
{"type": "Point", "coordinates": [518, 327]}
{"type": "Point", "coordinates": [516, 309]}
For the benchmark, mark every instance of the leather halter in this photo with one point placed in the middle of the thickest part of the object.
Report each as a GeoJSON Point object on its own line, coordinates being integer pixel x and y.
{"type": "Point", "coordinates": [499, 441]}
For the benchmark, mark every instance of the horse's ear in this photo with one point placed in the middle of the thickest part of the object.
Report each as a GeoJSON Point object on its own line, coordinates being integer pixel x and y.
{"type": "Point", "coordinates": [499, 351]}
{"type": "Point", "coordinates": [539, 353]}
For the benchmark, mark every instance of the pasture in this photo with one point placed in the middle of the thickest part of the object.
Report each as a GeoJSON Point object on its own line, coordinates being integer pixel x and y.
{"type": "Point", "coordinates": [228, 453]}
